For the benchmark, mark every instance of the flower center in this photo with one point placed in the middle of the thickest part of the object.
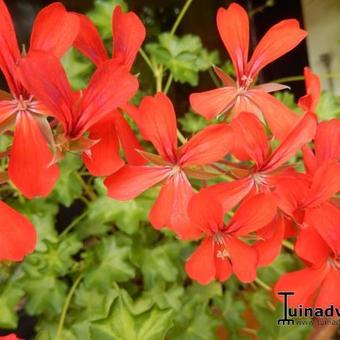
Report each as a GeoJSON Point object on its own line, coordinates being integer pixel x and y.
{"type": "Point", "coordinates": [334, 261]}
{"type": "Point", "coordinates": [246, 82]}
{"type": "Point", "coordinates": [22, 104]}
{"type": "Point", "coordinates": [222, 252]}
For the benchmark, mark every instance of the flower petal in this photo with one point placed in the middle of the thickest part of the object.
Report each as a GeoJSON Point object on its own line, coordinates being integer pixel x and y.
{"type": "Point", "coordinates": [301, 134]}
{"type": "Point", "coordinates": [311, 247]}
{"type": "Point", "coordinates": [128, 34]}
{"type": "Point", "coordinates": [210, 104]}
{"type": "Point", "coordinates": [97, 101]}
{"type": "Point", "coordinates": [329, 290]}
{"type": "Point", "coordinates": [17, 234]}
{"type": "Point", "coordinates": [233, 26]}
{"type": "Point", "coordinates": [279, 40]}
{"type": "Point", "coordinates": [209, 145]}
{"type": "Point", "coordinates": [327, 141]}
{"type": "Point", "coordinates": [223, 269]}
{"type": "Point", "coordinates": [104, 158]}
{"type": "Point", "coordinates": [279, 118]}
{"type": "Point", "coordinates": [304, 283]}
{"type": "Point", "coordinates": [44, 77]}
{"type": "Point", "coordinates": [243, 259]}
{"type": "Point", "coordinates": [30, 166]}
{"type": "Point", "coordinates": [310, 101]}
{"type": "Point", "coordinates": [251, 137]}
{"type": "Point", "coordinates": [157, 123]}
{"type": "Point", "coordinates": [130, 181]}
{"type": "Point", "coordinates": [89, 42]}
{"type": "Point", "coordinates": [128, 140]}
{"type": "Point", "coordinates": [54, 30]}
{"type": "Point", "coordinates": [171, 208]}
{"type": "Point", "coordinates": [9, 51]}
{"type": "Point", "coordinates": [326, 220]}
{"type": "Point", "coordinates": [200, 266]}
{"type": "Point", "coordinates": [206, 212]}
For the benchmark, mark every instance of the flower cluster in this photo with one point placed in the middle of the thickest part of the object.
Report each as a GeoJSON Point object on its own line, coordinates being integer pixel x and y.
{"type": "Point", "coordinates": [234, 185]}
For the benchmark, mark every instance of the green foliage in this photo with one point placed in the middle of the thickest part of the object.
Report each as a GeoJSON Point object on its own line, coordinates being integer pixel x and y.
{"type": "Point", "coordinates": [184, 56]}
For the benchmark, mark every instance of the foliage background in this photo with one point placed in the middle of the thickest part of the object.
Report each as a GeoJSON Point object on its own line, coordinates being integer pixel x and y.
{"type": "Point", "coordinates": [100, 270]}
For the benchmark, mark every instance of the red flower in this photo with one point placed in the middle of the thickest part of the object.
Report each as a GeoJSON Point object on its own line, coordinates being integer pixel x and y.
{"type": "Point", "coordinates": [110, 86]}
{"type": "Point", "coordinates": [157, 123]}
{"type": "Point", "coordinates": [11, 336]}
{"type": "Point", "coordinates": [17, 234]}
{"type": "Point", "coordinates": [53, 31]}
{"type": "Point", "coordinates": [233, 26]}
{"type": "Point", "coordinates": [221, 252]}
{"type": "Point", "coordinates": [311, 99]}
{"type": "Point", "coordinates": [317, 284]}
{"type": "Point", "coordinates": [128, 35]}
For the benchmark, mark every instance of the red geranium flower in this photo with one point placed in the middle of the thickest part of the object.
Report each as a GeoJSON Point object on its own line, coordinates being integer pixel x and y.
{"type": "Point", "coordinates": [128, 35]}
{"type": "Point", "coordinates": [317, 284]}
{"type": "Point", "coordinates": [233, 26]}
{"type": "Point", "coordinates": [171, 167]}
{"type": "Point", "coordinates": [222, 252]}
{"type": "Point", "coordinates": [53, 31]}
{"type": "Point", "coordinates": [110, 86]}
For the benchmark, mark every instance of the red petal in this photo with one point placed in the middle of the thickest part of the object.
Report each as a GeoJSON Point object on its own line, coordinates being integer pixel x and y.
{"type": "Point", "coordinates": [30, 166]}
{"type": "Point", "coordinates": [311, 247]}
{"type": "Point", "coordinates": [9, 337]}
{"type": "Point", "coordinates": [243, 259]}
{"type": "Point", "coordinates": [253, 214]}
{"type": "Point", "coordinates": [130, 181]}
{"type": "Point", "coordinates": [309, 159]}
{"type": "Point", "coordinates": [54, 30]}
{"type": "Point", "coordinates": [211, 103]}
{"type": "Point", "coordinates": [271, 87]}
{"type": "Point", "coordinates": [326, 183]}
{"type": "Point", "coordinates": [223, 268]}
{"type": "Point", "coordinates": [233, 26]}
{"type": "Point", "coordinates": [206, 212]}
{"type": "Point", "coordinates": [104, 158]}
{"type": "Point", "coordinates": [326, 220]}
{"type": "Point", "coordinates": [304, 283]}
{"type": "Point", "coordinates": [224, 77]}
{"type": "Point", "coordinates": [88, 41]}
{"type": "Point", "coordinates": [9, 52]}
{"type": "Point", "coordinates": [279, 118]}
{"type": "Point", "coordinates": [44, 77]}
{"type": "Point", "coordinates": [251, 137]}
{"type": "Point", "coordinates": [158, 124]}
{"type": "Point", "coordinates": [17, 235]}
{"type": "Point", "coordinates": [329, 291]}
{"type": "Point", "coordinates": [208, 146]}
{"type": "Point", "coordinates": [311, 99]}
{"type": "Point", "coordinates": [279, 39]}
{"type": "Point", "coordinates": [270, 247]}
{"type": "Point", "coordinates": [128, 34]}
{"type": "Point", "coordinates": [128, 141]}
{"type": "Point", "coordinates": [231, 193]}
{"type": "Point", "coordinates": [97, 101]}
{"type": "Point", "coordinates": [201, 264]}
{"type": "Point", "coordinates": [301, 134]}
{"type": "Point", "coordinates": [327, 141]}
{"type": "Point", "coordinates": [171, 208]}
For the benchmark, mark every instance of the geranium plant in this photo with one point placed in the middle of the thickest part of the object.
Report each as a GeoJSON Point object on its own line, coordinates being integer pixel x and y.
{"type": "Point", "coordinates": [120, 221]}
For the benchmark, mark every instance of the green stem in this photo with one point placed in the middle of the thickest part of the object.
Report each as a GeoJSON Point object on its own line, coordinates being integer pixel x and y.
{"type": "Point", "coordinates": [299, 78]}
{"type": "Point", "coordinates": [73, 223]}
{"type": "Point", "coordinates": [168, 83]}
{"type": "Point", "coordinates": [180, 16]}
{"type": "Point", "coordinates": [146, 59]}
{"type": "Point", "coordinates": [262, 284]}
{"type": "Point", "coordinates": [87, 188]}
{"type": "Point", "coordinates": [159, 78]}
{"type": "Point", "coordinates": [181, 137]}
{"type": "Point", "coordinates": [66, 306]}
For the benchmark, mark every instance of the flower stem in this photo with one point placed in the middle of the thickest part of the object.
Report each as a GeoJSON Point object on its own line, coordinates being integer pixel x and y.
{"type": "Point", "coordinates": [146, 59]}
{"type": "Point", "coordinates": [73, 223]}
{"type": "Point", "coordinates": [181, 137]}
{"type": "Point", "coordinates": [262, 284]}
{"type": "Point", "coordinates": [180, 16]}
{"type": "Point", "coordinates": [66, 305]}
{"type": "Point", "coordinates": [88, 190]}
{"type": "Point", "coordinates": [288, 245]}
{"type": "Point", "coordinates": [168, 83]}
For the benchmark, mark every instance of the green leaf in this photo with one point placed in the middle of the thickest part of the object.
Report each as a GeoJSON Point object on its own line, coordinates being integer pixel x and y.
{"type": "Point", "coordinates": [328, 106]}
{"type": "Point", "coordinates": [121, 324]}
{"type": "Point", "coordinates": [107, 262]}
{"type": "Point", "coordinates": [184, 56]}
{"type": "Point", "coordinates": [45, 295]}
{"type": "Point", "coordinates": [68, 187]}
{"type": "Point", "coordinates": [9, 298]}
